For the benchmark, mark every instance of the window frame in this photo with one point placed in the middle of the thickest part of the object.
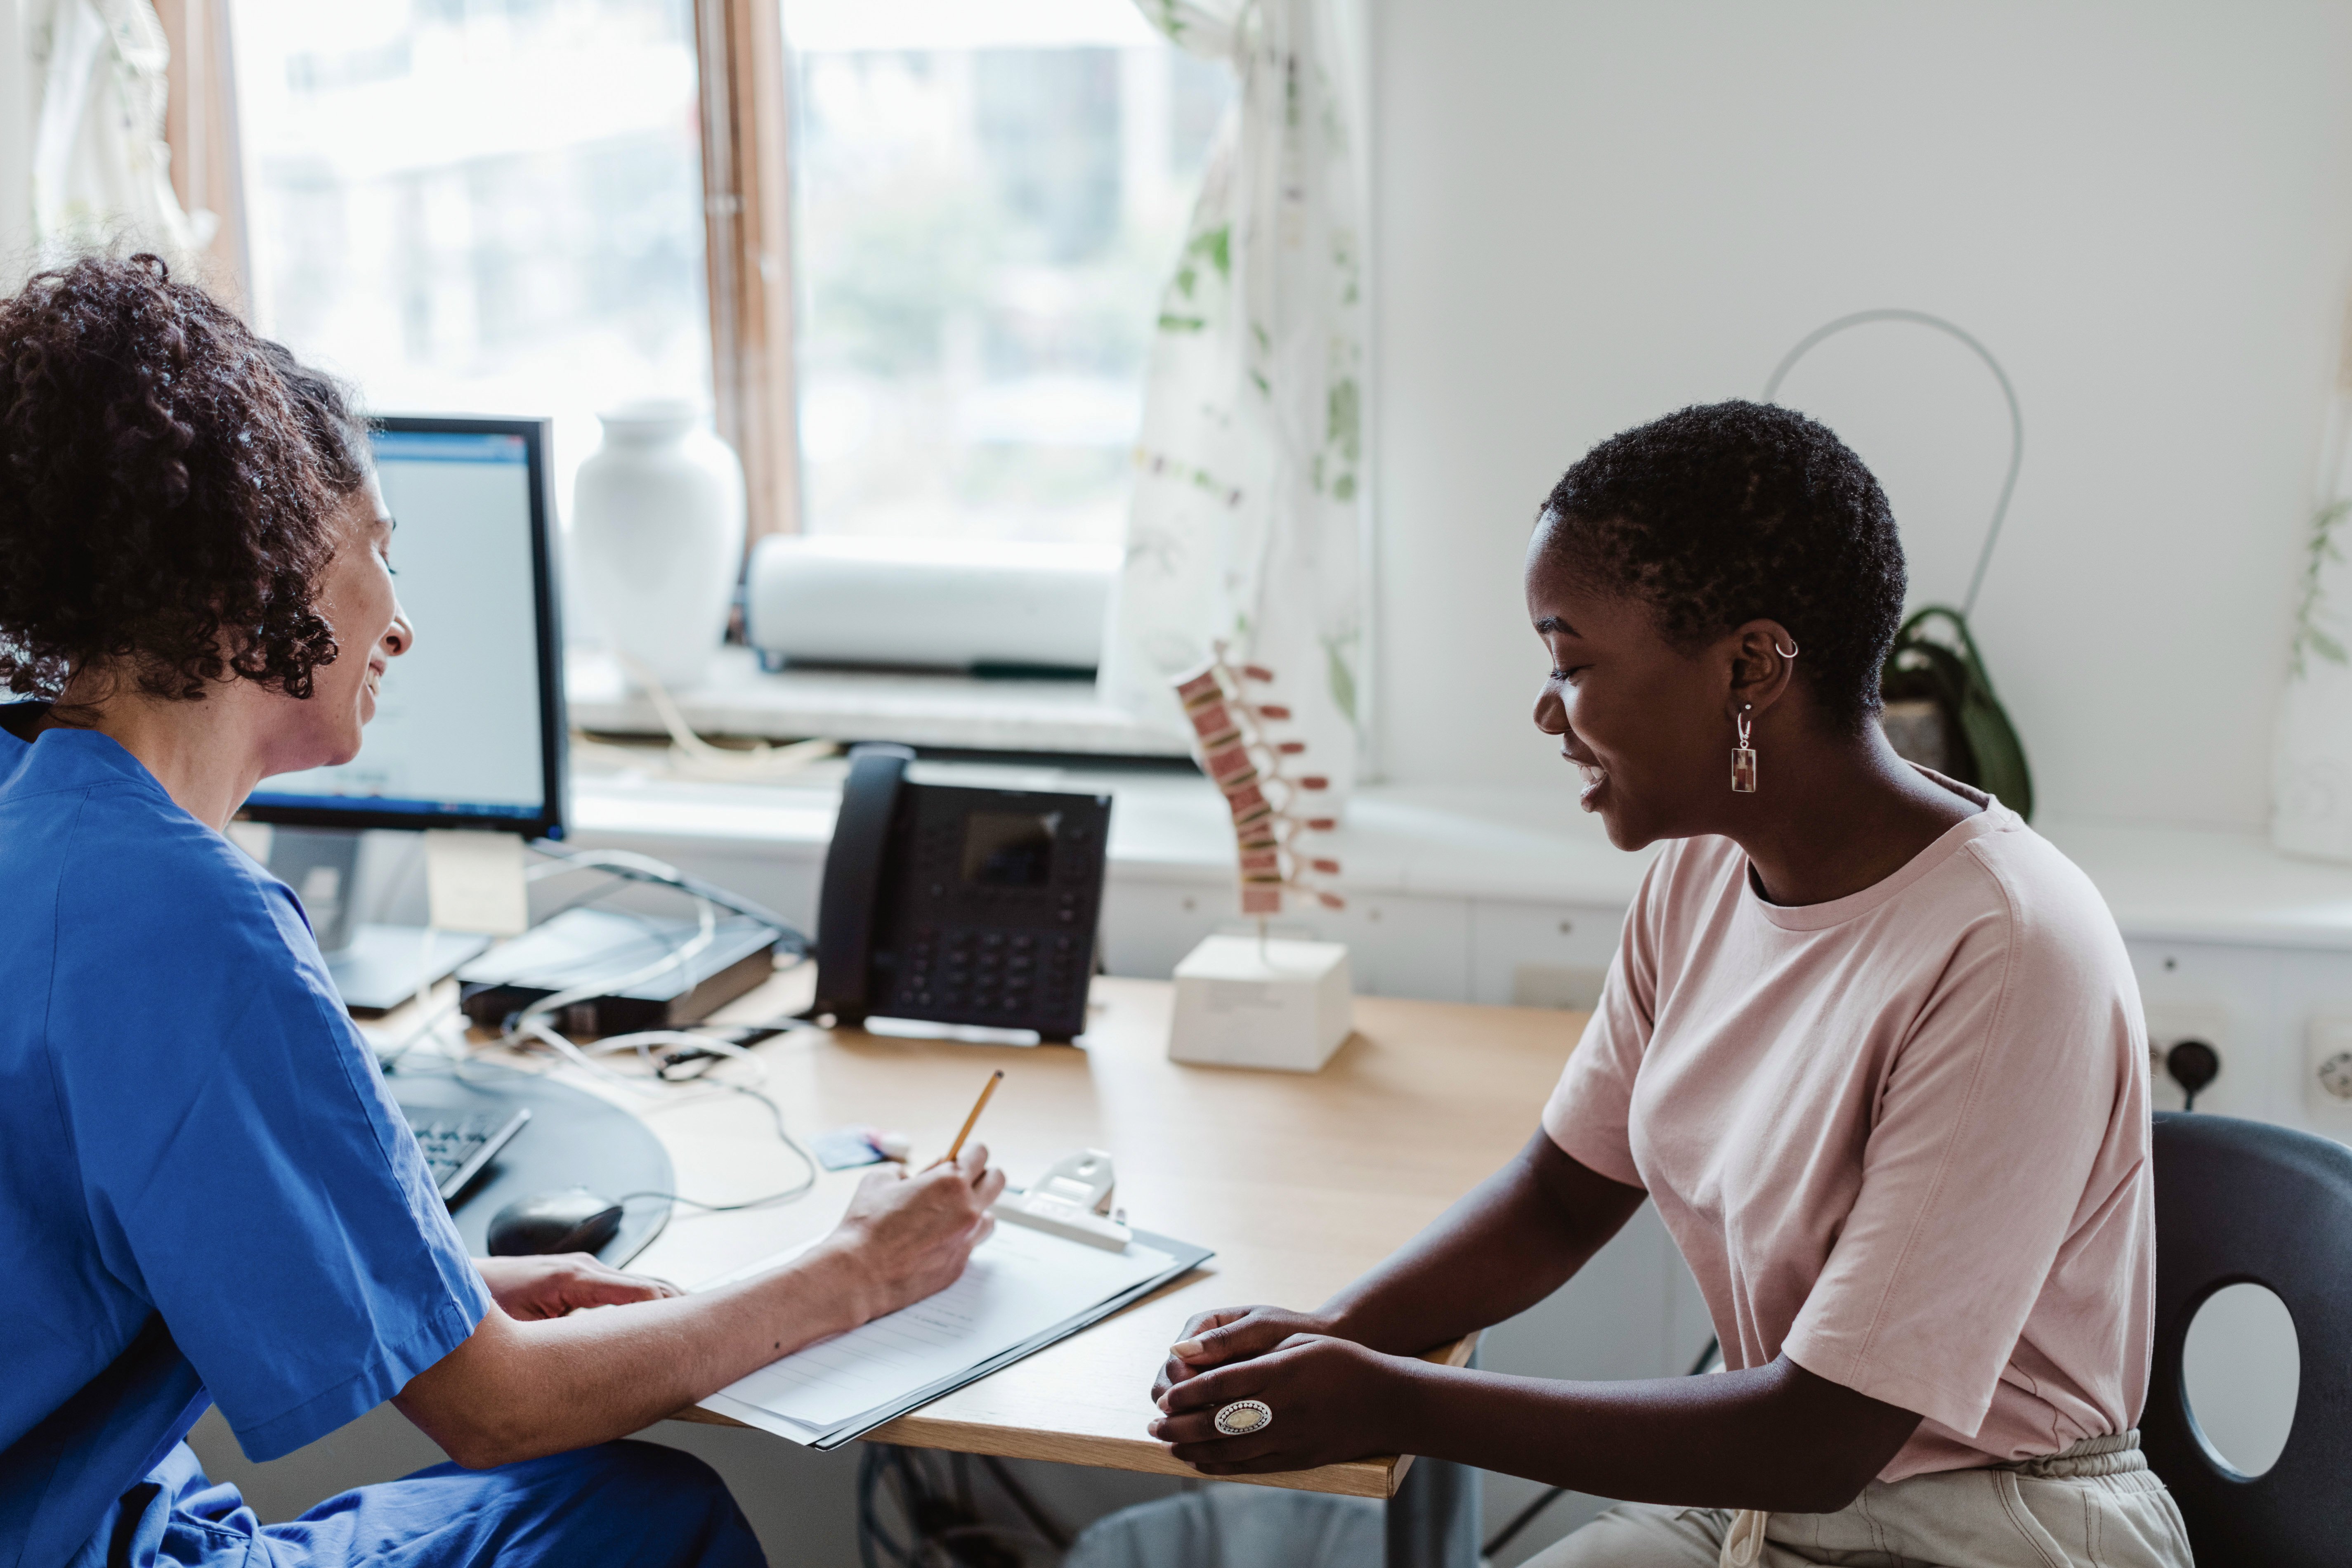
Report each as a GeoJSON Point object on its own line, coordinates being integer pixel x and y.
{"type": "Point", "coordinates": [200, 126]}
{"type": "Point", "coordinates": [748, 253]}
{"type": "Point", "coordinates": [742, 87]}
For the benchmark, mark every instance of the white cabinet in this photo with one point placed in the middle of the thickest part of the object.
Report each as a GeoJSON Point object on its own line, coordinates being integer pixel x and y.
{"type": "Point", "coordinates": [1148, 927]}
{"type": "Point", "coordinates": [1633, 1311]}
{"type": "Point", "coordinates": [1540, 955]}
{"type": "Point", "coordinates": [1401, 945]}
{"type": "Point", "coordinates": [1398, 945]}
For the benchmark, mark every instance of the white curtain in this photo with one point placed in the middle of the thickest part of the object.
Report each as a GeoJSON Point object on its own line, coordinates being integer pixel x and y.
{"type": "Point", "coordinates": [101, 174]}
{"type": "Point", "coordinates": [2312, 775]}
{"type": "Point", "coordinates": [1249, 482]}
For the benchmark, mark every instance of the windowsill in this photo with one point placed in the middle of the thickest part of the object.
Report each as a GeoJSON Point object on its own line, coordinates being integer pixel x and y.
{"type": "Point", "coordinates": [941, 709]}
{"type": "Point", "coordinates": [1515, 846]}
{"type": "Point", "coordinates": [1166, 827]}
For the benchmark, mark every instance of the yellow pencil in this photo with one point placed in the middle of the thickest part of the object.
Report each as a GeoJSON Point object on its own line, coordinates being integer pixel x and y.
{"type": "Point", "coordinates": [977, 1107]}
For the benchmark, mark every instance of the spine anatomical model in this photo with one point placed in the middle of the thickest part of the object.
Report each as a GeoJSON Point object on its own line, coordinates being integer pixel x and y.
{"type": "Point", "coordinates": [1231, 736]}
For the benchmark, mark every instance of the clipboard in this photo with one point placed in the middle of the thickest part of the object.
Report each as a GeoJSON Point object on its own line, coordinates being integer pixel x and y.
{"type": "Point", "coordinates": [1184, 1257]}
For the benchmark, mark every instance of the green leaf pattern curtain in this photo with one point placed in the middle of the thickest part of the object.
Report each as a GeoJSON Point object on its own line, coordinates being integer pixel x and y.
{"type": "Point", "coordinates": [2312, 771]}
{"type": "Point", "coordinates": [1248, 518]}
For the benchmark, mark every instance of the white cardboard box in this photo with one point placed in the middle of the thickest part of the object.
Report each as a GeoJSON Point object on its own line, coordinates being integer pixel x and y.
{"type": "Point", "coordinates": [1241, 1002]}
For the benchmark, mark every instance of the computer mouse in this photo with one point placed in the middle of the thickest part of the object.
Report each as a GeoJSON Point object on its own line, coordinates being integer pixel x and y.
{"type": "Point", "coordinates": [574, 1220]}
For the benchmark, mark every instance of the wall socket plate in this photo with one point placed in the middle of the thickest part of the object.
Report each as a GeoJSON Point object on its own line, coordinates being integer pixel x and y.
{"type": "Point", "coordinates": [2328, 1065]}
{"type": "Point", "coordinates": [2169, 1024]}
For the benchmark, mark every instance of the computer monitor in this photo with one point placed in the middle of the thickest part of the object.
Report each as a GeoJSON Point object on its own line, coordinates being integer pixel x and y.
{"type": "Point", "coordinates": [469, 729]}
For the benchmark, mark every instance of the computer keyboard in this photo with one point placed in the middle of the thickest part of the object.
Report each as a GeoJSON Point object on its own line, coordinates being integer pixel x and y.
{"type": "Point", "coordinates": [457, 1145]}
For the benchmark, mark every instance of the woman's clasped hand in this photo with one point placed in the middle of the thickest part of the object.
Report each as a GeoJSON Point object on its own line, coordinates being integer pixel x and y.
{"type": "Point", "coordinates": [1332, 1398]}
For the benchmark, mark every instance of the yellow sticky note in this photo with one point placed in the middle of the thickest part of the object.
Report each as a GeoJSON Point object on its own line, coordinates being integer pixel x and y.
{"type": "Point", "coordinates": [475, 882]}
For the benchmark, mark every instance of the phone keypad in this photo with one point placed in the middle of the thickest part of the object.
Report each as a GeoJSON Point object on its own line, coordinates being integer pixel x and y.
{"type": "Point", "coordinates": [960, 948]}
{"type": "Point", "coordinates": [984, 975]}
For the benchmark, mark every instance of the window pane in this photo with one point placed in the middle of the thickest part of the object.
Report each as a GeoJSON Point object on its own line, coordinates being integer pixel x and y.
{"type": "Point", "coordinates": [480, 206]}
{"type": "Point", "coordinates": [990, 198]}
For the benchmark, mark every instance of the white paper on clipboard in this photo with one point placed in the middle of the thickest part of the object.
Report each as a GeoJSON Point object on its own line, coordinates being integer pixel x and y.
{"type": "Point", "coordinates": [1020, 1284]}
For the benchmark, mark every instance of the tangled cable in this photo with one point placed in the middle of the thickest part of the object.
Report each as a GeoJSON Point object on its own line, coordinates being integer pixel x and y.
{"type": "Point", "coordinates": [687, 1060]}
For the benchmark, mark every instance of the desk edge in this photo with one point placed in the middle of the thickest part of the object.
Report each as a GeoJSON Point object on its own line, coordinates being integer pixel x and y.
{"type": "Point", "coordinates": [1375, 1478]}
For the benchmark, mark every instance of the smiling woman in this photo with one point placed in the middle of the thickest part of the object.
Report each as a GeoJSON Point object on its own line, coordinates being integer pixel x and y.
{"type": "Point", "coordinates": [1871, 1046]}
{"type": "Point", "coordinates": [1738, 530]}
{"type": "Point", "coordinates": [198, 595]}
{"type": "Point", "coordinates": [230, 551]}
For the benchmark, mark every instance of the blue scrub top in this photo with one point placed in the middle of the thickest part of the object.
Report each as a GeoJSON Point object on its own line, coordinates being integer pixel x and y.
{"type": "Point", "coordinates": [206, 1195]}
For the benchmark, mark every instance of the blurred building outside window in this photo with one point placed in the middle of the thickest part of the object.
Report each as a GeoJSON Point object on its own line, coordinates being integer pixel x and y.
{"type": "Point", "coordinates": [480, 207]}
{"type": "Point", "coordinates": [495, 206]}
{"type": "Point", "coordinates": [989, 199]}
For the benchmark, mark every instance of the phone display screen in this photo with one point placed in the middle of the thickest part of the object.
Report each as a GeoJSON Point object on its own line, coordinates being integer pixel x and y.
{"type": "Point", "coordinates": [1009, 849]}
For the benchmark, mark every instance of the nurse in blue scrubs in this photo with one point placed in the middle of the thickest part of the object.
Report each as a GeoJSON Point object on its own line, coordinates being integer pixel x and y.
{"type": "Point", "coordinates": [206, 1196]}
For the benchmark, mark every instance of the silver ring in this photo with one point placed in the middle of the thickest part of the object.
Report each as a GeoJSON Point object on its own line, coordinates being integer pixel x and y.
{"type": "Point", "coordinates": [1243, 1416]}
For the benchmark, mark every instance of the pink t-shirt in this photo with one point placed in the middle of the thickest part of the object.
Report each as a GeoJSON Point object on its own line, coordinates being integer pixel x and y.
{"type": "Point", "coordinates": [1901, 1137]}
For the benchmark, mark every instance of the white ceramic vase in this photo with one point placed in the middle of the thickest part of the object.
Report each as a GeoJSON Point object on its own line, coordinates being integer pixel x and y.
{"type": "Point", "coordinates": [658, 536]}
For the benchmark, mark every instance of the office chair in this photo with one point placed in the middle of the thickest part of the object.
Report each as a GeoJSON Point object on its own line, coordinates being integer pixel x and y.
{"type": "Point", "coordinates": [2239, 1201]}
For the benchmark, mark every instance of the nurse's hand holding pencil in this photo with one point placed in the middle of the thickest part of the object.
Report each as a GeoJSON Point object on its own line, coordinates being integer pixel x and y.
{"type": "Point", "coordinates": [521, 1387]}
{"type": "Point", "coordinates": [908, 1237]}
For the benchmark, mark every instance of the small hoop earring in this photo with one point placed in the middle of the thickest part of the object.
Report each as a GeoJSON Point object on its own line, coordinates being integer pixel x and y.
{"type": "Point", "coordinates": [1743, 756]}
{"type": "Point", "coordinates": [1788, 652]}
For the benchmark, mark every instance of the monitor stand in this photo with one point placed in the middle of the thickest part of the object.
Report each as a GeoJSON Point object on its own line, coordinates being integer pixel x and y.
{"type": "Point", "coordinates": [375, 968]}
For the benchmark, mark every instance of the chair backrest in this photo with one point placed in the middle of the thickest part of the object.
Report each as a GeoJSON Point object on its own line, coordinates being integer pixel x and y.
{"type": "Point", "coordinates": [2246, 1201]}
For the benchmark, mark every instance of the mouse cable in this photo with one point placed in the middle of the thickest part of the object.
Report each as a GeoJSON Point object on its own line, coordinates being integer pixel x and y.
{"type": "Point", "coordinates": [532, 1024]}
{"type": "Point", "coordinates": [690, 1048]}
{"type": "Point", "coordinates": [685, 1048]}
{"type": "Point", "coordinates": [798, 1190]}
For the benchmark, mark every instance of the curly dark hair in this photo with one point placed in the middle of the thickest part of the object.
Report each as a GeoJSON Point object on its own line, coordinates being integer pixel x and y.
{"type": "Point", "coordinates": [1728, 512]}
{"type": "Point", "coordinates": [166, 481]}
{"type": "Point", "coordinates": [338, 435]}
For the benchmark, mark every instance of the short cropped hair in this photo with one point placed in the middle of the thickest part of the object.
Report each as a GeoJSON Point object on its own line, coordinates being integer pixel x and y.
{"type": "Point", "coordinates": [164, 493]}
{"type": "Point", "coordinates": [1728, 512]}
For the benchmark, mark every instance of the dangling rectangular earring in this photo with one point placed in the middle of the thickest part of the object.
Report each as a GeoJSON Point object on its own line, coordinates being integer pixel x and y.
{"type": "Point", "coordinates": [1743, 759]}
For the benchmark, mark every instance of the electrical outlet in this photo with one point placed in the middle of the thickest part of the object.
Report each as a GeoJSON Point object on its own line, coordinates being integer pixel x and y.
{"type": "Point", "coordinates": [2170, 1022]}
{"type": "Point", "coordinates": [2327, 1066]}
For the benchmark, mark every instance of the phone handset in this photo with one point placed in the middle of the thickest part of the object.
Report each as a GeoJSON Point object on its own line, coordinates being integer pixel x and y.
{"type": "Point", "coordinates": [849, 901]}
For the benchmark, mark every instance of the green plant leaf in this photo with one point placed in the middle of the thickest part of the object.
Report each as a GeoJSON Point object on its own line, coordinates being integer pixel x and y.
{"type": "Point", "coordinates": [1342, 678]}
{"type": "Point", "coordinates": [1344, 419]}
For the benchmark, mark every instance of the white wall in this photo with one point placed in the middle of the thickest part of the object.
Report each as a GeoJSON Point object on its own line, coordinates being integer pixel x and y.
{"type": "Point", "coordinates": [1589, 214]}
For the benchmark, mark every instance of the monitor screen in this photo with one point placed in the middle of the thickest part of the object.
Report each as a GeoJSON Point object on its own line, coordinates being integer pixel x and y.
{"type": "Point", "coordinates": [469, 727]}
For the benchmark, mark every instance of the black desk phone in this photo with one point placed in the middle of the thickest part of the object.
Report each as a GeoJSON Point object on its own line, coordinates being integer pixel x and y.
{"type": "Point", "coordinates": [959, 905]}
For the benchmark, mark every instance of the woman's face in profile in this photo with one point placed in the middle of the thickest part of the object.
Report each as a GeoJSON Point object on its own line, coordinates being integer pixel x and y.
{"type": "Point", "coordinates": [1643, 723]}
{"type": "Point", "coordinates": [357, 598]}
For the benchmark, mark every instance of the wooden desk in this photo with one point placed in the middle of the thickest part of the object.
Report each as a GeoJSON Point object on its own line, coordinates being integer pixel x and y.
{"type": "Point", "coordinates": [1300, 1182]}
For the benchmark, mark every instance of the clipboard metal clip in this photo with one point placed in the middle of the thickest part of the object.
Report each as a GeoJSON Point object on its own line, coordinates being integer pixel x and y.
{"type": "Point", "coordinates": [1071, 1200]}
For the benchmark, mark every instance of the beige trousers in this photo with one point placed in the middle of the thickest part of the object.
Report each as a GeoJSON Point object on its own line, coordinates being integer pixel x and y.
{"type": "Point", "coordinates": [2097, 1505]}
